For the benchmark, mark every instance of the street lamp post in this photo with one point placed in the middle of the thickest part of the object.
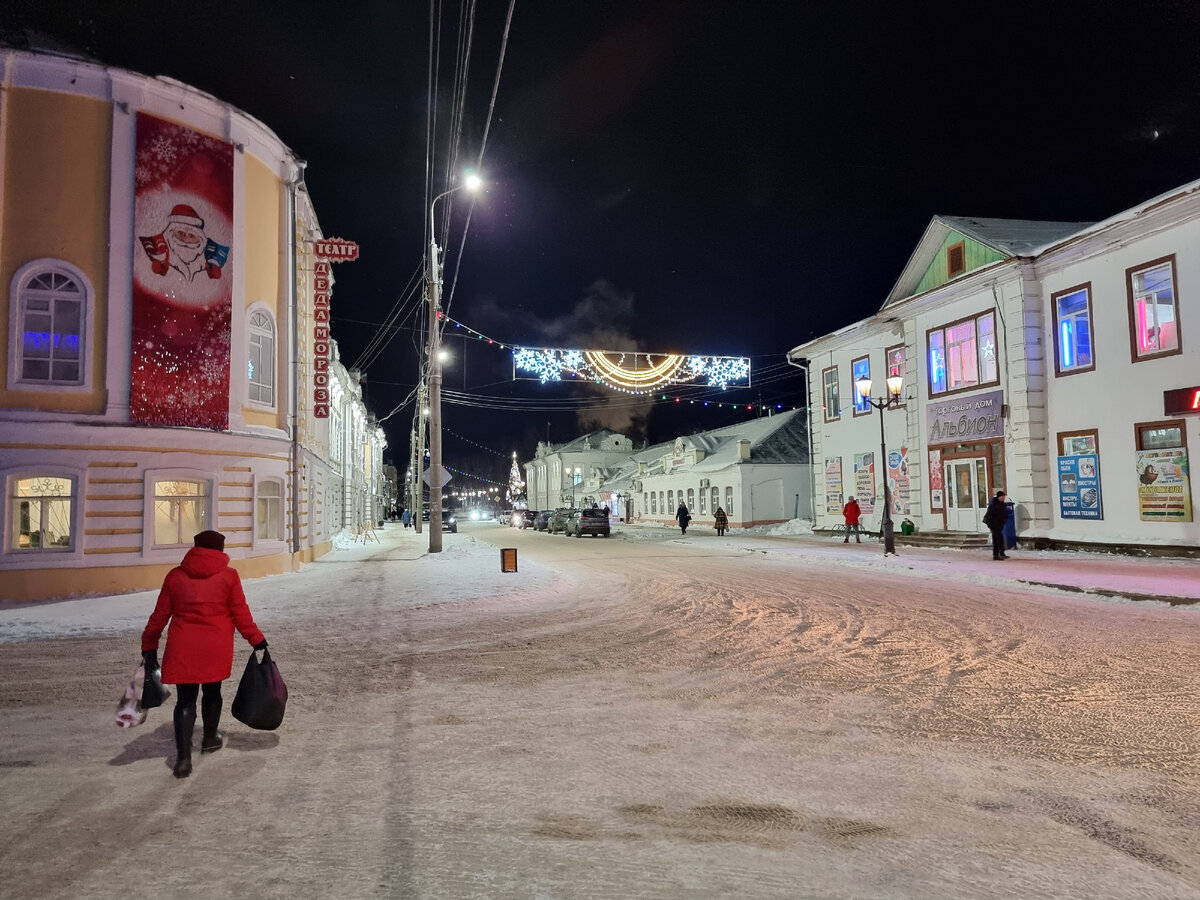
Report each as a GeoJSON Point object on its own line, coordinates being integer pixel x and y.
{"type": "Point", "coordinates": [434, 277]}
{"type": "Point", "coordinates": [895, 384]}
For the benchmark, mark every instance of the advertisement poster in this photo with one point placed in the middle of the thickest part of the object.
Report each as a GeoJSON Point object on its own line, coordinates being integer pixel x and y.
{"type": "Point", "coordinates": [864, 481]}
{"type": "Point", "coordinates": [833, 485]}
{"type": "Point", "coordinates": [935, 480]}
{"type": "Point", "coordinates": [1079, 487]}
{"type": "Point", "coordinates": [182, 277]}
{"type": "Point", "coordinates": [898, 481]}
{"type": "Point", "coordinates": [1164, 492]}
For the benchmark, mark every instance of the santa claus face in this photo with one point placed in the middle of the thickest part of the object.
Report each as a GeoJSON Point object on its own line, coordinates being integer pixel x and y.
{"type": "Point", "coordinates": [186, 241]}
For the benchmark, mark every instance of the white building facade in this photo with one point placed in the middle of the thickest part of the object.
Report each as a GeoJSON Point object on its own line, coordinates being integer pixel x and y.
{"type": "Point", "coordinates": [1050, 360]}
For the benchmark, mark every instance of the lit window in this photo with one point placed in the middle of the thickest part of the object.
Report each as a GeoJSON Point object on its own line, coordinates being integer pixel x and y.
{"type": "Point", "coordinates": [860, 369]}
{"type": "Point", "coordinates": [833, 409]}
{"type": "Point", "coordinates": [41, 513]}
{"type": "Point", "coordinates": [894, 356]}
{"type": "Point", "coordinates": [1073, 330]}
{"type": "Point", "coordinates": [180, 512]}
{"type": "Point", "coordinates": [963, 355]}
{"type": "Point", "coordinates": [1153, 313]}
{"type": "Point", "coordinates": [262, 358]}
{"type": "Point", "coordinates": [1160, 436]}
{"type": "Point", "coordinates": [269, 512]}
{"type": "Point", "coordinates": [50, 328]}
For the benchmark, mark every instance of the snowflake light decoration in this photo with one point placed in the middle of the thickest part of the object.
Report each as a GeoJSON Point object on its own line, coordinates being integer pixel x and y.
{"type": "Point", "coordinates": [634, 373]}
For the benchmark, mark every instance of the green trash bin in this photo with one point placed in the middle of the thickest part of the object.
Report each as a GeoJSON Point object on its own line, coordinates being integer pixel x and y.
{"type": "Point", "coordinates": [907, 527]}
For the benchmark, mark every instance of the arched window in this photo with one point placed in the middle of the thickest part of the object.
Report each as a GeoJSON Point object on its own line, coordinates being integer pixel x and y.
{"type": "Point", "coordinates": [691, 501]}
{"type": "Point", "coordinates": [671, 500]}
{"type": "Point", "coordinates": [49, 331]}
{"type": "Point", "coordinates": [261, 331]}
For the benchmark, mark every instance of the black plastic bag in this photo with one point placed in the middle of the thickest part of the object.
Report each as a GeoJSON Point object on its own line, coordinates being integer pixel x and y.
{"type": "Point", "coordinates": [153, 692]}
{"type": "Point", "coordinates": [261, 694]}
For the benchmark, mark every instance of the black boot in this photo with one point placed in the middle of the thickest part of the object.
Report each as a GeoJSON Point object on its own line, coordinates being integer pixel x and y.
{"type": "Point", "coordinates": [210, 714]}
{"type": "Point", "coordinates": [185, 722]}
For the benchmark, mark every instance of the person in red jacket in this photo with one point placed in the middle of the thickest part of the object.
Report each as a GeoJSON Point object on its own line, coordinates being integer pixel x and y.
{"type": "Point", "coordinates": [852, 512]}
{"type": "Point", "coordinates": [202, 598]}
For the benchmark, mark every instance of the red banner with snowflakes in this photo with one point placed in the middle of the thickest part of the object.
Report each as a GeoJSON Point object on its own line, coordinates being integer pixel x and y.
{"type": "Point", "coordinates": [182, 277]}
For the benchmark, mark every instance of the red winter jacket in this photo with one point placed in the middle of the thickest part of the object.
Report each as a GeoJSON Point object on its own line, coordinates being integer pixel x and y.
{"type": "Point", "coordinates": [851, 512]}
{"type": "Point", "coordinates": [202, 597]}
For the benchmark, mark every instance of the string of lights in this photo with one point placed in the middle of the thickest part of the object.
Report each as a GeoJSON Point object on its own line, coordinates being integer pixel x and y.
{"type": "Point", "coordinates": [467, 440]}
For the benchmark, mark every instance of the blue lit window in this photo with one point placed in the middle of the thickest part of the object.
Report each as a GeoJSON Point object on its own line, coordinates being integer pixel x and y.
{"type": "Point", "coordinates": [1073, 330]}
{"type": "Point", "coordinates": [50, 332]}
{"type": "Point", "coordinates": [860, 369]}
{"type": "Point", "coordinates": [963, 355]}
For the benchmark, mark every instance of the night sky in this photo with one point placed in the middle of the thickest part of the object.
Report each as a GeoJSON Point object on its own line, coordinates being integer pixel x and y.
{"type": "Point", "coordinates": [730, 178]}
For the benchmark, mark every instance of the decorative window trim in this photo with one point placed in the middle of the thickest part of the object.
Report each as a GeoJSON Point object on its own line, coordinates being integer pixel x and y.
{"type": "Point", "coordinates": [54, 555]}
{"type": "Point", "coordinates": [837, 413]}
{"type": "Point", "coordinates": [16, 320]}
{"type": "Point", "coordinates": [861, 406]}
{"type": "Point", "coordinates": [263, 309]}
{"type": "Point", "coordinates": [943, 328]}
{"type": "Point", "coordinates": [1059, 371]}
{"type": "Point", "coordinates": [1129, 273]}
{"type": "Point", "coordinates": [956, 259]}
{"type": "Point", "coordinates": [887, 373]}
{"type": "Point", "coordinates": [1083, 432]}
{"type": "Point", "coordinates": [149, 483]}
{"type": "Point", "coordinates": [280, 520]}
{"type": "Point", "coordinates": [1140, 427]}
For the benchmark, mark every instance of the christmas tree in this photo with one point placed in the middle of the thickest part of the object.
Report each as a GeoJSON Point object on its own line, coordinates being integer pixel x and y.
{"type": "Point", "coordinates": [516, 484]}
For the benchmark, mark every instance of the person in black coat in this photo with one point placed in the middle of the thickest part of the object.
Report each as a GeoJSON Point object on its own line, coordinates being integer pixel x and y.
{"type": "Point", "coordinates": [995, 519]}
{"type": "Point", "coordinates": [683, 516]}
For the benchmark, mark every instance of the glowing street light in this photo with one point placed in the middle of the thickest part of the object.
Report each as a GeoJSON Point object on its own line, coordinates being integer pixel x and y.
{"type": "Point", "coordinates": [433, 277]}
{"type": "Point", "coordinates": [895, 384]}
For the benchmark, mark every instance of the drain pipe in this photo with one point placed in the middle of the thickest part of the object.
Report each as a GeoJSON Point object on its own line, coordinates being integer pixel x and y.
{"type": "Point", "coordinates": [293, 184]}
{"type": "Point", "coordinates": [812, 471]}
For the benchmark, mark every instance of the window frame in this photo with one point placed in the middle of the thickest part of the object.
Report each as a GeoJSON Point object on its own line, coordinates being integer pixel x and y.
{"type": "Point", "coordinates": [825, 397]}
{"type": "Point", "coordinates": [960, 246]}
{"type": "Point", "coordinates": [1063, 436]}
{"type": "Point", "coordinates": [278, 515]}
{"type": "Point", "coordinates": [862, 405]}
{"type": "Point", "coordinates": [150, 484]}
{"type": "Point", "coordinates": [254, 331]}
{"type": "Point", "coordinates": [1168, 260]}
{"type": "Point", "coordinates": [1140, 427]}
{"type": "Point", "coordinates": [16, 318]}
{"type": "Point", "coordinates": [942, 329]}
{"type": "Point", "coordinates": [1056, 326]}
{"type": "Point", "coordinates": [10, 533]}
{"type": "Point", "coordinates": [903, 373]}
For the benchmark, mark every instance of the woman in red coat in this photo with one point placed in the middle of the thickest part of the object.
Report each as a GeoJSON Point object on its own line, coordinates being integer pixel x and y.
{"type": "Point", "coordinates": [203, 600]}
{"type": "Point", "coordinates": [852, 512]}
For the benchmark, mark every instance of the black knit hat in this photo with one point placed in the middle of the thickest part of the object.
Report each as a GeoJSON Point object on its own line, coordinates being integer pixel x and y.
{"type": "Point", "coordinates": [210, 540]}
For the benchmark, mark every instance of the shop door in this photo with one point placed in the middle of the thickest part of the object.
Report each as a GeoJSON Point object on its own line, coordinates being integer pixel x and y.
{"type": "Point", "coordinates": [966, 493]}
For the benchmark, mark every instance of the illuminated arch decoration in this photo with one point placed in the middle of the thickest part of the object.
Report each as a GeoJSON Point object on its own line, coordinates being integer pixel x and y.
{"type": "Point", "coordinates": [633, 373]}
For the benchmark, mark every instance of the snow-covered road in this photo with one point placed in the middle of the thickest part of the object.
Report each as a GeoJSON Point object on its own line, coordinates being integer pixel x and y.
{"type": "Point", "coordinates": [762, 715]}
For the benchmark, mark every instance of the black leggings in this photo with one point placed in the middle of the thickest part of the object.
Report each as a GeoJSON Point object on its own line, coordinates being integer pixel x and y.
{"type": "Point", "coordinates": [185, 694]}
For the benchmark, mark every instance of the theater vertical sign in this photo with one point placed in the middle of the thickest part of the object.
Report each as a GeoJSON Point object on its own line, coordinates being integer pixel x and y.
{"type": "Point", "coordinates": [327, 252]}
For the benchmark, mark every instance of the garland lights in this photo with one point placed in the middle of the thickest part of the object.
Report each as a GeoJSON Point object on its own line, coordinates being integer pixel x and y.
{"type": "Point", "coordinates": [644, 373]}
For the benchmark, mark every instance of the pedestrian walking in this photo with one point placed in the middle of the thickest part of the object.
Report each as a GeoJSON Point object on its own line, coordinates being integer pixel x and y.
{"type": "Point", "coordinates": [851, 512]}
{"type": "Point", "coordinates": [406, 518]}
{"type": "Point", "coordinates": [683, 517]}
{"type": "Point", "coordinates": [995, 519]}
{"type": "Point", "coordinates": [203, 601]}
{"type": "Point", "coordinates": [720, 521]}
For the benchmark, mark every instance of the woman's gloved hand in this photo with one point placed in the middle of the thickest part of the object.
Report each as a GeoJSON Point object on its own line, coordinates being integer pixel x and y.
{"type": "Point", "coordinates": [150, 660]}
{"type": "Point", "coordinates": [261, 645]}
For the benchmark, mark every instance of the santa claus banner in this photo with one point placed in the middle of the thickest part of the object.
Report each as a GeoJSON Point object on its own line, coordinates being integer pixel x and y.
{"type": "Point", "coordinates": [182, 279]}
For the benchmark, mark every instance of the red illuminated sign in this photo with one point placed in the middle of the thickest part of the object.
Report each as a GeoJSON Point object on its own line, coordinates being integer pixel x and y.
{"type": "Point", "coordinates": [336, 250]}
{"type": "Point", "coordinates": [1182, 402]}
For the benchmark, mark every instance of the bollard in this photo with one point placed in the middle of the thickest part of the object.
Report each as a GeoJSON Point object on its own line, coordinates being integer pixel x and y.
{"type": "Point", "coordinates": [508, 559]}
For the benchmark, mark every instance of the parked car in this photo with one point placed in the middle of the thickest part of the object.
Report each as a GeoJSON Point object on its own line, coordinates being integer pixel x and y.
{"type": "Point", "coordinates": [542, 520]}
{"type": "Point", "coordinates": [449, 521]}
{"type": "Point", "coordinates": [504, 517]}
{"type": "Point", "coordinates": [558, 521]}
{"type": "Point", "coordinates": [522, 518]}
{"type": "Point", "coordinates": [588, 521]}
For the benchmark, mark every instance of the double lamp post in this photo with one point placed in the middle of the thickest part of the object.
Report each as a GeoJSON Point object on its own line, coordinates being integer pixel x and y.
{"type": "Point", "coordinates": [895, 384]}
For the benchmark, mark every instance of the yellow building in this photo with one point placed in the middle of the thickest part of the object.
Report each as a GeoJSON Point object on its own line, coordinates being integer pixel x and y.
{"type": "Point", "coordinates": [168, 366]}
